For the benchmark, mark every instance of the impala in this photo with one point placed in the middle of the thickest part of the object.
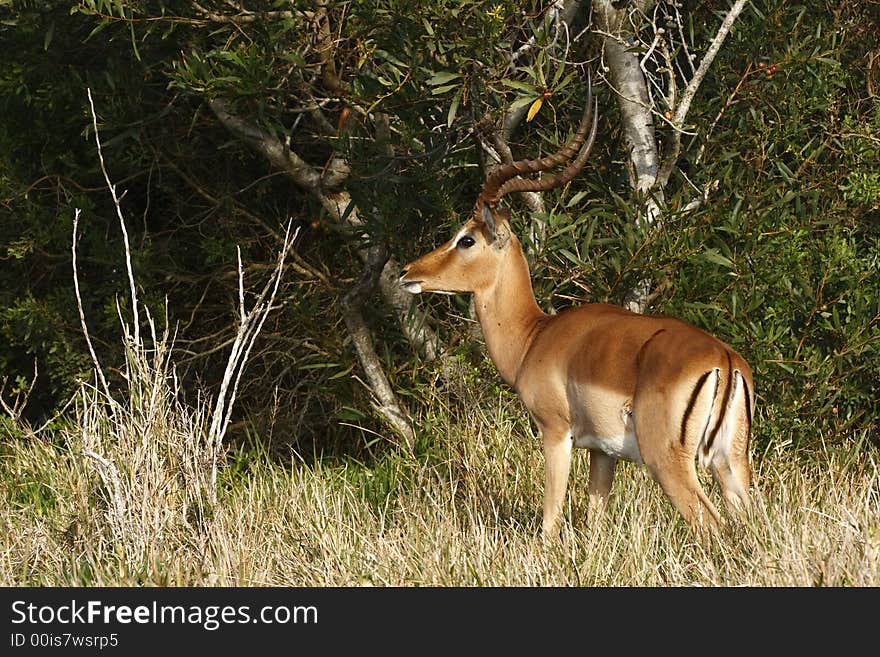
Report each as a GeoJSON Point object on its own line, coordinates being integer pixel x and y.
{"type": "Point", "coordinates": [648, 389]}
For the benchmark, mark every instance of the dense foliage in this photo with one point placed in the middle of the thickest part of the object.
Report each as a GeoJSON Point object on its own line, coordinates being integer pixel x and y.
{"type": "Point", "coordinates": [781, 259]}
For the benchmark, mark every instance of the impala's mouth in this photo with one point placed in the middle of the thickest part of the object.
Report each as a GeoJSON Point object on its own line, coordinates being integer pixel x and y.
{"type": "Point", "coordinates": [413, 287]}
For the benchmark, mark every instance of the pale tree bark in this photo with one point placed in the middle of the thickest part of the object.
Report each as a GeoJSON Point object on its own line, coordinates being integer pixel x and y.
{"type": "Point", "coordinates": [625, 54]}
{"type": "Point", "coordinates": [340, 206]}
{"type": "Point", "coordinates": [386, 402]}
{"type": "Point", "coordinates": [690, 91]}
{"type": "Point", "coordinates": [628, 81]}
{"type": "Point", "coordinates": [638, 124]}
{"type": "Point", "coordinates": [327, 185]}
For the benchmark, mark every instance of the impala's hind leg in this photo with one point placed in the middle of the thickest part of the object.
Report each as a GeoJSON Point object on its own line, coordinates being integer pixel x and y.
{"type": "Point", "coordinates": [729, 459]}
{"type": "Point", "coordinates": [677, 475]}
{"type": "Point", "coordinates": [733, 477]}
{"type": "Point", "coordinates": [671, 462]}
{"type": "Point", "coordinates": [601, 477]}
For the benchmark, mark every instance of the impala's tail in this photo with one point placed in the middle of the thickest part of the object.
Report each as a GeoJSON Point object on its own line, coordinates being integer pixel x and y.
{"type": "Point", "coordinates": [723, 444]}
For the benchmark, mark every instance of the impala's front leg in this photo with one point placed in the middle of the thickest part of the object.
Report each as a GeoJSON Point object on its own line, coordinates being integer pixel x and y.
{"type": "Point", "coordinates": [557, 463]}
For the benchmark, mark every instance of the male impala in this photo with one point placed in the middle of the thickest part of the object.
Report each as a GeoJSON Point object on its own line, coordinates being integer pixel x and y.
{"type": "Point", "coordinates": [648, 389]}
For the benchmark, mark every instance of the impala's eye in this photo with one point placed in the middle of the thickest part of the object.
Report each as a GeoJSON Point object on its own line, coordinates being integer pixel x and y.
{"type": "Point", "coordinates": [466, 242]}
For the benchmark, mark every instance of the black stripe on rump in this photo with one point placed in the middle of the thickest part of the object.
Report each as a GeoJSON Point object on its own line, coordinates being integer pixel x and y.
{"type": "Point", "coordinates": [693, 400]}
{"type": "Point", "coordinates": [724, 404]}
{"type": "Point", "coordinates": [748, 408]}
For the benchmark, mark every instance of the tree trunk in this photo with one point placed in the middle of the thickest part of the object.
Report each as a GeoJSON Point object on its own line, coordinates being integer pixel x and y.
{"type": "Point", "coordinates": [379, 269]}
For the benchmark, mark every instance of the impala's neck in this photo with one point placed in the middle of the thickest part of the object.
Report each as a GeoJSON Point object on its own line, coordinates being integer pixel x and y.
{"type": "Point", "coordinates": [508, 313]}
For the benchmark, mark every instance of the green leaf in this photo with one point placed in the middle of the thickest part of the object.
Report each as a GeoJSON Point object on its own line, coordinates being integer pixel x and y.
{"type": "Point", "coordinates": [293, 58]}
{"type": "Point", "coordinates": [453, 108]}
{"type": "Point", "coordinates": [350, 414]}
{"type": "Point", "coordinates": [388, 57]}
{"type": "Point", "coordinates": [713, 256]}
{"type": "Point", "coordinates": [437, 91]}
{"type": "Point", "coordinates": [559, 86]}
{"type": "Point", "coordinates": [587, 241]}
{"type": "Point", "coordinates": [785, 171]}
{"type": "Point", "coordinates": [519, 102]}
{"type": "Point", "coordinates": [134, 47]}
{"type": "Point", "coordinates": [442, 78]}
{"type": "Point", "coordinates": [574, 200]}
{"type": "Point", "coordinates": [341, 373]}
{"type": "Point", "coordinates": [47, 40]}
{"type": "Point", "coordinates": [570, 256]}
{"type": "Point", "coordinates": [521, 86]}
{"type": "Point", "coordinates": [539, 69]}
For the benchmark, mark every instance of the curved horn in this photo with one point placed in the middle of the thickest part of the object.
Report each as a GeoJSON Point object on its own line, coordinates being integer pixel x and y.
{"type": "Point", "coordinates": [505, 179]}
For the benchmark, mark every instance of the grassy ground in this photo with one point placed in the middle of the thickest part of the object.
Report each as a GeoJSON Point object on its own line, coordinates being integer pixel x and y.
{"type": "Point", "coordinates": [122, 494]}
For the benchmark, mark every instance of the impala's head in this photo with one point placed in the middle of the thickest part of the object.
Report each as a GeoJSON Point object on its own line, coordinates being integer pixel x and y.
{"type": "Point", "coordinates": [467, 262]}
{"type": "Point", "coordinates": [471, 260]}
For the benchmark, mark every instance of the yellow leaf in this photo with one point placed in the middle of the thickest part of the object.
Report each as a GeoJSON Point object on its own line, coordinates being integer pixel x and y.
{"type": "Point", "coordinates": [534, 108]}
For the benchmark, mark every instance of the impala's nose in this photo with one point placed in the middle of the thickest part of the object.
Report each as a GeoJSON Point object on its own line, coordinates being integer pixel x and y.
{"type": "Point", "coordinates": [410, 286]}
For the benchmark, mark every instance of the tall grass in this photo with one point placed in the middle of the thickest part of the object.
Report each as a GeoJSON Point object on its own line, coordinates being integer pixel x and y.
{"type": "Point", "coordinates": [463, 509]}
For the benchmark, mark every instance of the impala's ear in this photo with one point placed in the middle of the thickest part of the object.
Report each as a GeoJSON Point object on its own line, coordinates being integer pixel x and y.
{"type": "Point", "coordinates": [497, 226]}
{"type": "Point", "coordinates": [489, 221]}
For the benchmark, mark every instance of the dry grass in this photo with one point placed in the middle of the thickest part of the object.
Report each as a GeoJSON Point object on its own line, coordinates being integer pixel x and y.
{"type": "Point", "coordinates": [463, 513]}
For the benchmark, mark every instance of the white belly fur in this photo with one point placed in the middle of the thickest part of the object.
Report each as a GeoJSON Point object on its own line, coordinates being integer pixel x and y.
{"type": "Point", "coordinates": [602, 420]}
{"type": "Point", "coordinates": [624, 446]}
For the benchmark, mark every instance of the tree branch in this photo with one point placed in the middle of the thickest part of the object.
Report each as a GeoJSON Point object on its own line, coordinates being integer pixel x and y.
{"type": "Point", "coordinates": [353, 302]}
{"type": "Point", "coordinates": [341, 207]}
{"type": "Point", "coordinates": [628, 77]}
{"type": "Point", "coordinates": [244, 16]}
{"type": "Point", "coordinates": [279, 156]}
{"type": "Point", "coordinates": [134, 305]}
{"type": "Point", "coordinates": [629, 80]}
{"type": "Point", "coordinates": [326, 50]}
{"type": "Point", "coordinates": [690, 91]}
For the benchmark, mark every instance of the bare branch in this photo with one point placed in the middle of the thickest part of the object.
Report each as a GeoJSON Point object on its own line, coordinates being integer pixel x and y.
{"type": "Point", "coordinates": [21, 397]}
{"type": "Point", "coordinates": [727, 104]}
{"type": "Point", "coordinates": [251, 324]}
{"type": "Point", "coordinates": [387, 403]}
{"type": "Point", "coordinates": [697, 202]}
{"type": "Point", "coordinates": [112, 188]}
{"type": "Point", "coordinates": [298, 264]}
{"type": "Point", "coordinates": [561, 14]}
{"type": "Point", "coordinates": [243, 16]}
{"type": "Point", "coordinates": [693, 86]}
{"type": "Point", "coordinates": [82, 316]}
{"type": "Point", "coordinates": [271, 148]}
{"type": "Point", "coordinates": [327, 50]}
{"type": "Point", "coordinates": [690, 91]}
{"type": "Point", "coordinates": [340, 206]}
